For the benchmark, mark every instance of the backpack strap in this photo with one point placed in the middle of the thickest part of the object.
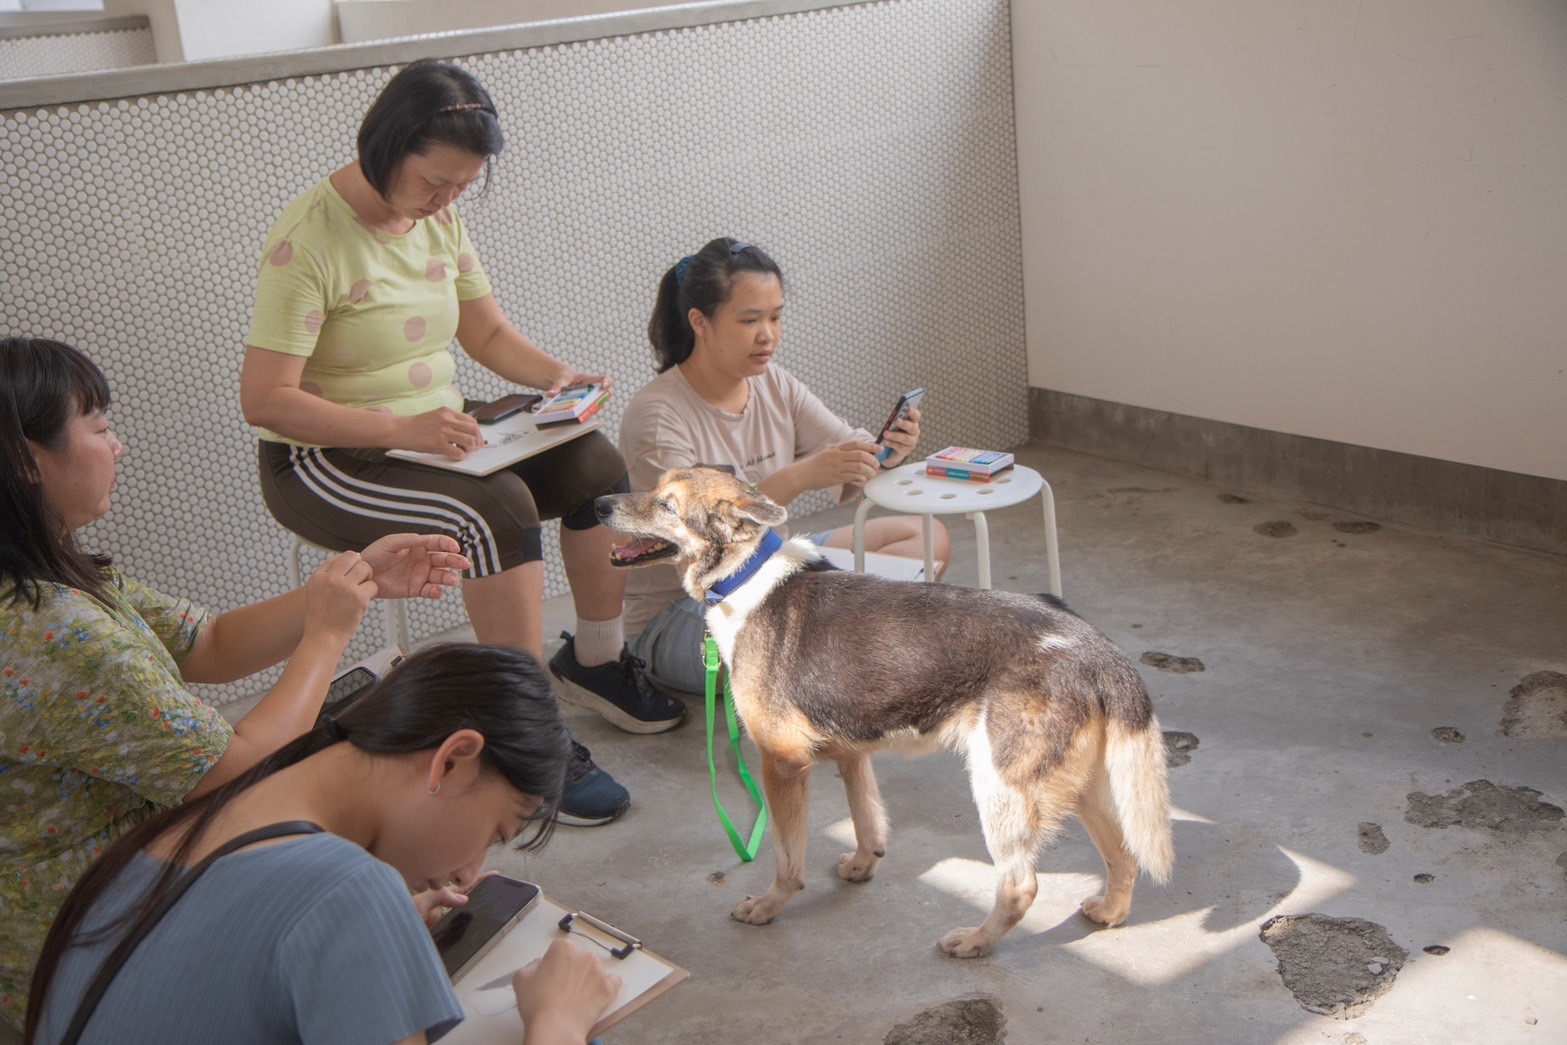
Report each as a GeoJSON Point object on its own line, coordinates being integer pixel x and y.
{"type": "Point", "coordinates": [153, 915]}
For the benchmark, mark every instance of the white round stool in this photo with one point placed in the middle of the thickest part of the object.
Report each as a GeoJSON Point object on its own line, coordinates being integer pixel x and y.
{"type": "Point", "coordinates": [906, 489]}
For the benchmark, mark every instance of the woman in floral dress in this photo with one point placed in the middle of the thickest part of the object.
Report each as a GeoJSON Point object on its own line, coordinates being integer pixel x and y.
{"type": "Point", "coordinates": [97, 728]}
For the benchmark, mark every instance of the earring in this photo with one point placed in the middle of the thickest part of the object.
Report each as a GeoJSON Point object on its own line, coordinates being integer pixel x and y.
{"type": "Point", "coordinates": [433, 790]}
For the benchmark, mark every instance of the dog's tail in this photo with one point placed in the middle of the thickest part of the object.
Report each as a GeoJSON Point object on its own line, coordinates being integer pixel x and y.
{"type": "Point", "coordinates": [1135, 762]}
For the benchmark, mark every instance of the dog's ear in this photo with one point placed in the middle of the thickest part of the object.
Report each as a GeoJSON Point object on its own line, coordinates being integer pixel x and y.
{"type": "Point", "coordinates": [759, 508]}
{"type": "Point", "coordinates": [749, 506]}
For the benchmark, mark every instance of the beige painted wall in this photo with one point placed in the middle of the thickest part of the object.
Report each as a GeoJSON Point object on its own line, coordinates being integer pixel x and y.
{"type": "Point", "coordinates": [1336, 218]}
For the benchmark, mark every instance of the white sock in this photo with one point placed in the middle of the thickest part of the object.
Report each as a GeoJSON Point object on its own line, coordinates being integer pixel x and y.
{"type": "Point", "coordinates": [599, 641]}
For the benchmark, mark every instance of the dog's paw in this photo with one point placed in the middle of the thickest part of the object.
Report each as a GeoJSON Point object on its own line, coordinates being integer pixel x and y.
{"type": "Point", "coordinates": [754, 910]}
{"type": "Point", "coordinates": [1096, 910]}
{"type": "Point", "coordinates": [854, 868]}
{"type": "Point", "coordinates": [968, 942]}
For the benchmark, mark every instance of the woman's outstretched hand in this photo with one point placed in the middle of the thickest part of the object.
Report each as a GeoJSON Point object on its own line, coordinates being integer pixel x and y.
{"type": "Point", "coordinates": [414, 565]}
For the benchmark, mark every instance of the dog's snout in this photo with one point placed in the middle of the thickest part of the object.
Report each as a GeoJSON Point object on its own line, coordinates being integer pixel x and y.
{"type": "Point", "coordinates": [604, 507]}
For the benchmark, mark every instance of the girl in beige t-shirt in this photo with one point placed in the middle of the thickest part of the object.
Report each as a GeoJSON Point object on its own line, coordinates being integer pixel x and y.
{"type": "Point", "coordinates": [720, 399]}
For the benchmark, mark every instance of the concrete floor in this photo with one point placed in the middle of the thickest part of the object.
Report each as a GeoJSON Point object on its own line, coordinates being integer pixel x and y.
{"type": "Point", "coordinates": [1328, 660]}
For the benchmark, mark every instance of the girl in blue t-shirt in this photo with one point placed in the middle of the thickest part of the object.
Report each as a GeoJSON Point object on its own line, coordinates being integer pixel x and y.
{"type": "Point", "coordinates": [312, 936]}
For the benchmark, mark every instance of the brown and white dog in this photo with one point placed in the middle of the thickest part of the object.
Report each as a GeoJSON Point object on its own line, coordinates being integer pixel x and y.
{"type": "Point", "coordinates": [1051, 717]}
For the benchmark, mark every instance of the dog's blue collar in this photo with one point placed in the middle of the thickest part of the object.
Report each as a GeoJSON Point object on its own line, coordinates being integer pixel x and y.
{"type": "Point", "coordinates": [720, 589]}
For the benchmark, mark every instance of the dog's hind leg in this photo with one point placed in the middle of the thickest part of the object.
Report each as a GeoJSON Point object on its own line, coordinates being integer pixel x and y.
{"type": "Point", "coordinates": [788, 801]}
{"type": "Point", "coordinates": [1013, 832]}
{"type": "Point", "coordinates": [1096, 809]}
{"type": "Point", "coordinates": [870, 819]}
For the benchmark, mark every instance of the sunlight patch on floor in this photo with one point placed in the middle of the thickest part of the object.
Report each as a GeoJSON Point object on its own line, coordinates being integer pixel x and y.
{"type": "Point", "coordinates": [1319, 883]}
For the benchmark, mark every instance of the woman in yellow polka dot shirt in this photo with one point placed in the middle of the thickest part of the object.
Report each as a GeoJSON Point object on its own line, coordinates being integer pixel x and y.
{"type": "Point", "coordinates": [364, 282]}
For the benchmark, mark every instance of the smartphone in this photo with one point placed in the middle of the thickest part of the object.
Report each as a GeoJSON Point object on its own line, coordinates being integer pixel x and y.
{"type": "Point", "coordinates": [906, 402]}
{"type": "Point", "coordinates": [504, 407]}
{"type": "Point", "coordinates": [349, 685]}
{"type": "Point", "coordinates": [465, 934]}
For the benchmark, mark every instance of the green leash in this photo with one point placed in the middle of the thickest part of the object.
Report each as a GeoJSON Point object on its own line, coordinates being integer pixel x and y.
{"type": "Point", "coordinates": [745, 850]}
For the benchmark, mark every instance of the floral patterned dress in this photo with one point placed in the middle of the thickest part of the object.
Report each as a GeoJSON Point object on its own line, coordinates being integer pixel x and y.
{"type": "Point", "coordinates": [97, 733]}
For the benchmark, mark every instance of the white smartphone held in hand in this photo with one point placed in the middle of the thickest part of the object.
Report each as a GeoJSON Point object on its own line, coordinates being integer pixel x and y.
{"type": "Point", "coordinates": [465, 934]}
{"type": "Point", "coordinates": [906, 402]}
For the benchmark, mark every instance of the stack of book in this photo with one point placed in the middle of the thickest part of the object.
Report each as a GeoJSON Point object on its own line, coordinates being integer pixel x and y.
{"type": "Point", "coordinates": [577, 403]}
{"type": "Point", "coordinates": [962, 462]}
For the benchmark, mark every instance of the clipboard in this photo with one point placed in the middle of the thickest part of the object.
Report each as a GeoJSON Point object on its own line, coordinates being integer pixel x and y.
{"type": "Point", "coordinates": [490, 1007]}
{"type": "Point", "coordinates": [510, 440]}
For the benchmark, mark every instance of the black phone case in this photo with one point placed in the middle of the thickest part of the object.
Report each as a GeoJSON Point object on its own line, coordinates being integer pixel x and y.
{"type": "Point", "coordinates": [462, 940]}
{"type": "Point", "coordinates": [901, 409]}
{"type": "Point", "coordinates": [504, 407]}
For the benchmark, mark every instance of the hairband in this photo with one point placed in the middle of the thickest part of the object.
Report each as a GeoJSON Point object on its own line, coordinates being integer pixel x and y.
{"type": "Point", "coordinates": [463, 108]}
{"type": "Point", "coordinates": [332, 727]}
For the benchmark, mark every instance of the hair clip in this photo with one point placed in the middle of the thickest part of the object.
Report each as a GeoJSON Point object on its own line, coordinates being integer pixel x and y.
{"type": "Point", "coordinates": [464, 107]}
{"type": "Point", "coordinates": [681, 268]}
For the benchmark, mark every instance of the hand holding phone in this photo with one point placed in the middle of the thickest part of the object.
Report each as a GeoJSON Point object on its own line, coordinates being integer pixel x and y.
{"type": "Point", "coordinates": [906, 402]}
{"type": "Point", "coordinates": [504, 407]}
{"type": "Point", "coordinates": [465, 934]}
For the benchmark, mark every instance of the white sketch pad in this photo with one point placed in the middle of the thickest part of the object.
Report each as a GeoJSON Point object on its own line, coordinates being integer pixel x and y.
{"type": "Point", "coordinates": [513, 439]}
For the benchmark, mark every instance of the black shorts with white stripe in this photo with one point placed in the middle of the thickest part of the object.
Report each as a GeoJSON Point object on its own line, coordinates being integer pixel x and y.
{"type": "Point", "coordinates": [344, 499]}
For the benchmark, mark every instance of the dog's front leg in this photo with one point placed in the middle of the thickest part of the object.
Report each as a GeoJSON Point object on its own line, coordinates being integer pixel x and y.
{"type": "Point", "coordinates": [787, 801]}
{"type": "Point", "coordinates": [870, 819]}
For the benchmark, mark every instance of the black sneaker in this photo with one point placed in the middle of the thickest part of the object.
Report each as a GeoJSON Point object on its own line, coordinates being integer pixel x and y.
{"type": "Point", "coordinates": [618, 690]}
{"type": "Point", "coordinates": [592, 796]}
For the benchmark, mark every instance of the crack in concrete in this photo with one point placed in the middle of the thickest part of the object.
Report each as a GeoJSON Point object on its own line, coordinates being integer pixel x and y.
{"type": "Point", "coordinates": [1333, 966]}
{"type": "Point", "coordinates": [1483, 804]}
{"type": "Point", "coordinates": [1170, 662]}
{"type": "Point", "coordinates": [1536, 707]}
{"type": "Point", "coordinates": [1178, 747]}
{"type": "Point", "coordinates": [1372, 839]}
{"type": "Point", "coordinates": [966, 1021]}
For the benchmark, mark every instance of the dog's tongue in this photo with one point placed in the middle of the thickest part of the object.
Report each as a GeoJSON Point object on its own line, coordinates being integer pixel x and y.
{"type": "Point", "coordinates": [634, 550]}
